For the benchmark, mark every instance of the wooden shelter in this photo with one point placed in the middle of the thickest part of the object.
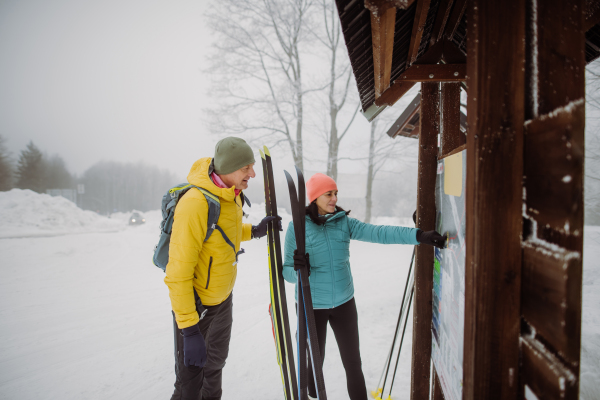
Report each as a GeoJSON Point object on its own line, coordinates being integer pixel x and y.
{"type": "Point", "coordinates": [522, 65]}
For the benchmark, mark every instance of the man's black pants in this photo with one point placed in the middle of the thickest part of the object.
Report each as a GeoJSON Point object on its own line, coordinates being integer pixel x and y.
{"type": "Point", "coordinates": [216, 329]}
{"type": "Point", "coordinates": [344, 323]}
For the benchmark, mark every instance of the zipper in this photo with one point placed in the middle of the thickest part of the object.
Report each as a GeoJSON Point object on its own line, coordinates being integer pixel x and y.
{"type": "Point", "coordinates": [331, 266]}
{"type": "Point", "coordinates": [209, 267]}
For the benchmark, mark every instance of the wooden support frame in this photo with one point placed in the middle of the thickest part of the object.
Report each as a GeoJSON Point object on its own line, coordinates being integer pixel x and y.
{"type": "Point", "coordinates": [434, 73]}
{"type": "Point", "coordinates": [438, 393]}
{"type": "Point", "coordinates": [452, 137]}
{"type": "Point", "coordinates": [554, 148]}
{"type": "Point", "coordinates": [417, 30]}
{"type": "Point", "coordinates": [494, 198]}
{"type": "Point", "coordinates": [422, 311]}
{"type": "Point", "coordinates": [592, 15]}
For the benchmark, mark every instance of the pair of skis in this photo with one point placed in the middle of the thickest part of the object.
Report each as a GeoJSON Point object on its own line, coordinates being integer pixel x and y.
{"type": "Point", "coordinates": [278, 309]}
{"type": "Point", "coordinates": [307, 328]}
{"type": "Point", "coordinates": [404, 307]}
{"type": "Point", "coordinates": [293, 390]}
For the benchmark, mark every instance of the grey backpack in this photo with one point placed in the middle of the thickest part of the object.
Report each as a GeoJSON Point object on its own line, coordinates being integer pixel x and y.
{"type": "Point", "coordinates": [169, 201]}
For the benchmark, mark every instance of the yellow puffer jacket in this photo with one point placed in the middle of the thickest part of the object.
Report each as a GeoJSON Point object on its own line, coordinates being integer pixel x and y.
{"type": "Point", "coordinates": [193, 263]}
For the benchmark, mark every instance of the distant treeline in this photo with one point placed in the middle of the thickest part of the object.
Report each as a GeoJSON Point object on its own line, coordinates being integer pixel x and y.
{"type": "Point", "coordinates": [108, 186]}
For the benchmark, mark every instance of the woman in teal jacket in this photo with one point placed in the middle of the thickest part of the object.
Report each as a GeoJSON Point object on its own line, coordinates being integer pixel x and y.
{"type": "Point", "coordinates": [329, 230]}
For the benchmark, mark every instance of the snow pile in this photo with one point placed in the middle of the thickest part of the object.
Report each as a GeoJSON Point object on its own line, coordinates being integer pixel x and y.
{"type": "Point", "coordinates": [27, 213]}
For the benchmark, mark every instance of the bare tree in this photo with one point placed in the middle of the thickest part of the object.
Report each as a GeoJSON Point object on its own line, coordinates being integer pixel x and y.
{"type": "Point", "coordinates": [340, 79]}
{"type": "Point", "coordinates": [258, 70]}
{"type": "Point", "coordinates": [383, 150]}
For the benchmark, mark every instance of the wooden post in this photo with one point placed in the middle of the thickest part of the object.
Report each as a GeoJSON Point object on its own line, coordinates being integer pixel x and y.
{"type": "Point", "coordinates": [553, 199]}
{"type": "Point", "coordinates": [452, 137]}
{"type": "Point", "coordinates": [422, 311]}
{"type": "Point", "coordinates": [494, 198]}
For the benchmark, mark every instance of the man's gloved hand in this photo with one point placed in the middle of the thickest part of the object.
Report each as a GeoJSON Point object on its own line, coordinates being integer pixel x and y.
{"type": "Point", "coordinates": [301, 261]}
{"type": "Point", "coordinates": [431, 238]}
{"type": "Point", "coordinates": [260, 230]}
{"type": "Point", "coordinates": [194, 347]}
{"type": "Point", "coordinates": [415, 217]}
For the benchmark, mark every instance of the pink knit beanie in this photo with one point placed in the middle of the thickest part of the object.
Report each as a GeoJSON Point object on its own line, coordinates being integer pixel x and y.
{"type": "Point", "coordinates": [319, 184]}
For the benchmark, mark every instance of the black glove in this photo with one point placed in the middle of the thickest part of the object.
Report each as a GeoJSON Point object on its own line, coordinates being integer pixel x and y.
{"type": "Point", "coordinates": [260, 230]}
{"type": "Point", "coordinates": [194, 347]}
{"type": "Point", "coordinates": [301, 261]}
{"type": "Point", "coordinates": [431, 238]}
{"type": "Point", "coordinates": [415, 217]}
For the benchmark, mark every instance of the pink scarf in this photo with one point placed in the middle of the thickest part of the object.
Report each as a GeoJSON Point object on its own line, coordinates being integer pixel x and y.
{"type": "Point", "coordinates": [219, 182]}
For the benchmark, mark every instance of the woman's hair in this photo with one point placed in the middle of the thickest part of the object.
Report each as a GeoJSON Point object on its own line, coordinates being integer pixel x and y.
{"type": "Point", "coordinates": [313, 212]}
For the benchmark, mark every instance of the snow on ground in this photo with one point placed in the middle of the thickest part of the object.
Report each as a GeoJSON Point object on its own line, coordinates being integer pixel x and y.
{"type": "Point", "coordinates": [27, 213]}
{"type": "Point", "coordinates": [87, 316]}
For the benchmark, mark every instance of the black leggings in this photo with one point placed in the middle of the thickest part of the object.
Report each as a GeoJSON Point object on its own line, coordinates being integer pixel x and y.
{"type": "Point", "coordinates": [344, 323]}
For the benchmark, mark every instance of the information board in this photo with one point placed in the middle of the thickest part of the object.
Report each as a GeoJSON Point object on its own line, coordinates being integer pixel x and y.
{"type": "Point", "coordinates": [449, 276]}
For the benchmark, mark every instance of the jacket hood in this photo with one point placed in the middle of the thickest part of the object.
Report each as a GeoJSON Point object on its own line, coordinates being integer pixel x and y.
{"type": "Point", "coordinates": [199, 176]}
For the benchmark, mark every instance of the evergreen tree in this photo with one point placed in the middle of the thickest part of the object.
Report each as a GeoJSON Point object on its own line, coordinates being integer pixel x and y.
{"type": "Point", "coordinates": [56, 174]}
{"type": "Point", "coordinates": [6, 167]}
{"type": "Point", "coordinates": [30, 169]}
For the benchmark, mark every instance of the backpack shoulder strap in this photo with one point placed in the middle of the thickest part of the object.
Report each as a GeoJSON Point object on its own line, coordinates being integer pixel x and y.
{"type": "Point", "coordinates": [214, 211]}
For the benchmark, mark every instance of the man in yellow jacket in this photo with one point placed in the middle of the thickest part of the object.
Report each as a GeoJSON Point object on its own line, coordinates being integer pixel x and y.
{"type": "Point", "coordinates": [201, 274]}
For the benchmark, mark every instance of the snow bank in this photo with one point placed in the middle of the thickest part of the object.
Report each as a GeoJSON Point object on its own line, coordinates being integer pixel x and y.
{"type": "Point", "coordinates": [26, 213]}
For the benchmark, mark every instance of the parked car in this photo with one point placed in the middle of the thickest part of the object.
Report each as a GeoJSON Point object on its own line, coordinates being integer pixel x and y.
{"type": "Point", "coordinates": [136, 219]}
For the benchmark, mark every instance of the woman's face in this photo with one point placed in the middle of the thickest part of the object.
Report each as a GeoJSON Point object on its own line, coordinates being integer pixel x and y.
{"type": "Point", "coordinates": [326, 202]}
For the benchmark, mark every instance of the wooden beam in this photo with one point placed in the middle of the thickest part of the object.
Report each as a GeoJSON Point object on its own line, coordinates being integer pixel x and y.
{"type": "Point", "coordinates": [544, 375]}
{"type": "Point", "coordinates": [434, 73]}
{"type": "Point", "coordinates": [553, 169]}
{"type": "Point", "coordinates": [417, 31]}
{"type": "Point", "coordinates": [458, 10]}
{"type": "Point", "coordinates": [438, 393]}
{"type": "Point", "coordinates": [551, 297]}
{"type": "Point", "coordinates": [404, 118]}
{"type": "Point", "coordinates": [382, 32]}
{"type": "Point", "coordinates": [452, 137]}
{"type": "Point", "coordinates": [494, 198]}
{"type": "Point", "coordinates": [592, 14]}
{"type": "Point", "coordinates": [426, 213]}
{"type": "Point", "coordinates": [440, 21]}
{"type": "Point", "coordinates": [379, 7]}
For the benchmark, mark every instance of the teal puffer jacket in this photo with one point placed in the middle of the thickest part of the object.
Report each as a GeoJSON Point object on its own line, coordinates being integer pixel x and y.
{"type": "Point", "coordinates": [329, 248]}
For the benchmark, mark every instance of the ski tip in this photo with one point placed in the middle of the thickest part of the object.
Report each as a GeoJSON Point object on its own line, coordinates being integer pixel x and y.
{"type": "Point", "coordinates": [262, 155]}
{"type": "Point", "coordinates": [267, 152]}
{"type": "Point", "coordinates": [299, 171]}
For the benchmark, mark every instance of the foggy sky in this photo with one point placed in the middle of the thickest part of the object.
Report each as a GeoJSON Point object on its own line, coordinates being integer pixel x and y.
{"type": "Point", "coordinates": [107, 80]}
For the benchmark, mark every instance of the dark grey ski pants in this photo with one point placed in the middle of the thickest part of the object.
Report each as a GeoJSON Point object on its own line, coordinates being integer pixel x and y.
{"type": "Point", "coordinates": [195, 383]}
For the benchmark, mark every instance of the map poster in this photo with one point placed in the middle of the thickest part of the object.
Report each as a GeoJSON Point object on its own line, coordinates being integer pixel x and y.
{"type": "Point", "coordinates": [449, 276]}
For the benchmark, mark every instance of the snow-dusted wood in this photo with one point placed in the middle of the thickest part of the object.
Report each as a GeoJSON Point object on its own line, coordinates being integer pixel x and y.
{"type": "Point", "coordinates": [458, 10]}
{"type": "Point", "coordinates": [545, 375]}
{"type": "Point", "coordinates": [553, 197]}
{"type": "Point", "coordinates": [452, 137]}
{"type": "Point", "coordinates": [495, 81]}
{"type": "Point", "coordinates": [417, 30]}
{"type": "Point", "coordinates": [382, 33]}
{"type": "Point", "coordinates": [551, 296]}
{"type": "Point", "coordinates": [426, 212]}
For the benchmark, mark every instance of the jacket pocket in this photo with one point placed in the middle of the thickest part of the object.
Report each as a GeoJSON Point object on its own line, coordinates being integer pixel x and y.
{"type": "Point", "coordinates": [209, 267]}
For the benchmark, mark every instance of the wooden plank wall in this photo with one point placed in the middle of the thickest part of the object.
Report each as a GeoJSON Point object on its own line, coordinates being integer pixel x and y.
{"type": "Point", "coordinates": [422, 311]}
{"type": "Point", "coordinates": [496, 31]}
{"type": "Point", "coordinates": [553, 196]}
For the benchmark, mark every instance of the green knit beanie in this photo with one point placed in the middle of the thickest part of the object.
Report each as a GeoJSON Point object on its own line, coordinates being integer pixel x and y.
{"type": "Point", "coordinates": [231, 154]}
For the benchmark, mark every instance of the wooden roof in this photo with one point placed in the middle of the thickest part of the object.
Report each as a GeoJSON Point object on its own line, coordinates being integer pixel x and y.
{"type": "Point", "coordinates": [425, 32]}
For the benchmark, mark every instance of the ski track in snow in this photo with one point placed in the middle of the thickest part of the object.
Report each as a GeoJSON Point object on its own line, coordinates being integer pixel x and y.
{"type": "Point", "coordinates": [87, 316]}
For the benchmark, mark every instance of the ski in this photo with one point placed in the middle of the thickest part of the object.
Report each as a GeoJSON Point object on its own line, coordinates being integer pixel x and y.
{"type": "Point", "coordinates": [307, 329]}
{"type": "Point", "coordinates": [278, 309]}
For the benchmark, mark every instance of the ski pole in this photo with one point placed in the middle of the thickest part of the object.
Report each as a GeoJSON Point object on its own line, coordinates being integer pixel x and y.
{"type": "Point", "coordinates": [380, 391]}
{"type": "Point", "coordinates": [401, 340]}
